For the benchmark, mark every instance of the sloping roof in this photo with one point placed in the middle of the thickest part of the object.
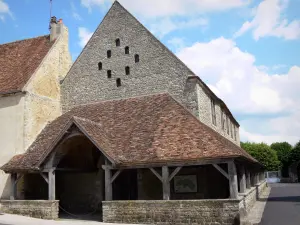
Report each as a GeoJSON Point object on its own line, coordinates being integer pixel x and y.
{"type": "Point", "coordinates": [152, 129]}
{"type": "Point", "coordinates": [19, 60]}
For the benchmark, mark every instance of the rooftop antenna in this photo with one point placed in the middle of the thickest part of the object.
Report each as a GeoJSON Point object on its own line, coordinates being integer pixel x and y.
{"type": "Point", "coordinates": [50, 14]}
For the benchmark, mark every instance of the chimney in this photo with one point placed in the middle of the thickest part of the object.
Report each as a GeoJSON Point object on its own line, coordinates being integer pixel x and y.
{"type": "Point", "coordinates": [56, 28]}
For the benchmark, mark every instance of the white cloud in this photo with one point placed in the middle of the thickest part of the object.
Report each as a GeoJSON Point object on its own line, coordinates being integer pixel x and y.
{"type": "Point", "coordinates": [246, 89]}
{"type": "Point", "coordinates": [167, 25]}
{"type": "Point", "coordinates": [177, 43]}
{"type": "Point", "coordinates": [269, 21]}
{"type": "Point", "coordinates": [158, 8]}
{"type": "Point", "coordinates": [4, 10]}
{"type": "Point", "coordinates": [84, 36]}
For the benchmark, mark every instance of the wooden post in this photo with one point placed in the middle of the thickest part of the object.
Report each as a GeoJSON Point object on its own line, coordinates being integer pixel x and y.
{"type": "Point", "coordinates": [248, 180]}
{"type": "Point", "coordinates": [108, 184]}
{"type": "Point", "coordinates": [165, 183]}
{"type": "Point", "coordinates": [233, 185]}
{"type": "Point", "coordinates": [242, 180]}
{"type": "Point", "coordinates": [13, 193]}
{"type": "Point", "coordinates": [51, 184]}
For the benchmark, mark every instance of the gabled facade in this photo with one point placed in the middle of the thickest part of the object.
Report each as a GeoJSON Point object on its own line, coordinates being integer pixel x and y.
{"type": "Point", "coordinates": [123, 59]}
{"type": "Point", "coordinates": [30, 76]}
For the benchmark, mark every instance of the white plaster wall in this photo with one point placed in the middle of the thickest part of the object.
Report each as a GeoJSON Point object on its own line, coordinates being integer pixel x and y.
{"type": "Point", "coordinates": [205, 115]}
{"type": "Point", "coordinates": [11, 135]}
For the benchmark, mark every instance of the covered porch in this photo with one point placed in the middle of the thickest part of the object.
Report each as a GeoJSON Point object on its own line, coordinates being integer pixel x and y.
{"type": "Point", "coordinates": [139, 154]}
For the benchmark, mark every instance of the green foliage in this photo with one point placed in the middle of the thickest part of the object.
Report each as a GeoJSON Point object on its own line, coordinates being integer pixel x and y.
{"type": "Point", "coordinates": [283, 150]}
{"type": "Point", "coordinates": [295, 154]}
{"type": "Point", "coordinates": [264, 154]}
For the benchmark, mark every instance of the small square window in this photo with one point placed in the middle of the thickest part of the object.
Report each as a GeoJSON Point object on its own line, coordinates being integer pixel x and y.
{"type": "Point", "coordinates": [108, 73]}
{"type": "Point", "coordinates": [108, 53]}
{"type": "Point", "coordinates": [118, 81]}
{"type": "Point", "coordinates": [118, 43]}
{"type": "Point", "coordinates": [136, 58]}
{"type": "Point", "coordinates": [127, 70]}
{"type": "Point", "coordinates": [127, 50]}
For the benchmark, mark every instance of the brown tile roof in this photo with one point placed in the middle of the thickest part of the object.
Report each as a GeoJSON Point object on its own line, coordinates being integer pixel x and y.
{"type": "Point", "coordinates": [19, 60]}
{"type": "Point", "coordinates": [151, 129]}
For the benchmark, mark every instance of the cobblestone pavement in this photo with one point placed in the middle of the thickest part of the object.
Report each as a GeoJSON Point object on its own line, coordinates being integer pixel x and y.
{"type": "Point", "coordinates": [283, 205]}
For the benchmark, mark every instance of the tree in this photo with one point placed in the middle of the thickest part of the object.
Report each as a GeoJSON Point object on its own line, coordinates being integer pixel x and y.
{"type": "Point", "coordinates": [294, 155]}
{"type": "Point", "coordinates": [264, 154]}
{"type": "Point", "coordinates": [283, 150]}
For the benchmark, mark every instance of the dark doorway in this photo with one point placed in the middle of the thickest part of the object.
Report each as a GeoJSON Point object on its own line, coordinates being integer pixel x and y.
{"type": "Point", "coordinates": [125, 186]}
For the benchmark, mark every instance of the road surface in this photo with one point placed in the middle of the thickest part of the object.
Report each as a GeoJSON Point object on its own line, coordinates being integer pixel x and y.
{"type": "Point", "coordinates": [283, 205]}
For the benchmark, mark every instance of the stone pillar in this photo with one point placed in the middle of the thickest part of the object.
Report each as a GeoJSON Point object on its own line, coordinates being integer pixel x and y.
{"type": "Point", "coordinates": [248, 180]}
{"type": "Point", "coordinates": [51, 184]}
{"type": "Point", "coordinates": [242, 180]}
{"type": "Point", "coordinates": [165, 183]}
{"type": "Point", "coordinates": [256, 177]}
{"type": "Point", "coordinates": [252, 179]}
{"type": "Point", "coordinates": [233, 185]}
{"type": "Point", "coordinates": [13, 184]}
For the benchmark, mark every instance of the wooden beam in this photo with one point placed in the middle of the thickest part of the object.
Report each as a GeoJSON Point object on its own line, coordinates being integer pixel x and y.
{"type": "Point", "coordinates": [45, 177]}
{"type": "Point", "coordinates": [108, 185]}
{"type": "Point", "coordinates": [221, 170]}
{"type": "Point", "coordinates": [19, 178]}
{"type": "Point", "coordinates": [174, 164]}
{"type": "Point", "coordinates": [156, 174]}
{"type": "Point", "coordinates": [248, 180]}
{"type": "Point", "coordinates": [174, 173]}
{"type": "Point", "coordinates": [242, 179]}
{"type": "Point", "coordinates": [233, 185]}
{"type": "Point", "coordinates": [13, 190]}
{"type": "Point", "coordinates": [51, 184]}
{"type": "Point", "coordinates": [115, 176]}
{"type": "Point", "coordinates": [166, 183]}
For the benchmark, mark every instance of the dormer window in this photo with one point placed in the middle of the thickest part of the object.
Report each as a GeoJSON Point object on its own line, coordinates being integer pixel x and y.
{"type": "Point", "coordinates": [118, 43]}
{"type": "Point", "coordinates": [108, 53]}
{"type": "Point", "coordinates": [108, 73]}
{"type": "Point", "coordinates": [100, 66]}
{"type": "Point", "coordinates": [127, 70]}
{"type": "Point", "coordinates": [136, 58]}
{"type": "Point", "coordinates": [118, 81]}
{"type": "Point", "coordinates": [127, 50]}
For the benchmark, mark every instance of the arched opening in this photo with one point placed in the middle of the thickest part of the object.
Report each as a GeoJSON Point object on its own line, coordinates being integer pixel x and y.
{"type": "Point", "coordinates": [136, 58]}
{"type": "Point", "coordinates": [100, 66]}
{"type": "Point", "coordinates": [127, 50]}
{"type": "Point", "coordinates": [118, 43]}
{"type": "Point", "coordinates": [118, 81]}
{"type": "Point", "coordinates": [127, 70]}
{"type": "Point", "coordinates": [108, 53]}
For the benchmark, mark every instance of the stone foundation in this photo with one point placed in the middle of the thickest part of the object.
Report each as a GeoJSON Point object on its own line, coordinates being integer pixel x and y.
{"type": "Point", "coordinates": [204, 212]}
{"type": "Point", "coordinates": [34, 208]}
{"type": "Point", "coordinates": [248, 199]}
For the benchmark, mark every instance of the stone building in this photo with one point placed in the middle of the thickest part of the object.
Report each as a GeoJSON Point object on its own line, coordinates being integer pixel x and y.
{"type": "Point", "coordinates": [30, 71]}
{"type": "Point", "coordinates": [142, 139]}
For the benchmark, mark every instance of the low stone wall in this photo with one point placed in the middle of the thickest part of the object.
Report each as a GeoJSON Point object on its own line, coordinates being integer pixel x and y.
{"type": "Point", "coordinates": [204, 212]}
{"type": "Point", "coordinates": [248, 199]}
{"type": "Point", "coordinates": [33, 208]}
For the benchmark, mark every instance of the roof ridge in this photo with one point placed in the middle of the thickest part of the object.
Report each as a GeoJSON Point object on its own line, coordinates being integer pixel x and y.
{"type": "Point", "coordinates": [26, 39]}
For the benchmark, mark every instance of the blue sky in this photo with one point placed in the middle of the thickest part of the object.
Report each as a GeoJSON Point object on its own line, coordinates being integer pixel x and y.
{"type": "Point", "coordinates": [246, 50]}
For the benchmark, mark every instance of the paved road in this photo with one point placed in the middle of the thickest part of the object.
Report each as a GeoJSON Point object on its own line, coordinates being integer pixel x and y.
{"type": "Point", "coordinates": [283, 205]}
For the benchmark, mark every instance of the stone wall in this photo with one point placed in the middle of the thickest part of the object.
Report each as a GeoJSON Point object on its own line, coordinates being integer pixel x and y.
{"type": "Point", "coordinates": [37, 208]}
{"type": "Point", "coordinates": [204, 212]}
{"type": "Point", "coordinates": [251, 196]}
{"type": "Point", "coordinates": [157, 71]}
{"type": "Point", "coordinates": [42, 101]}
